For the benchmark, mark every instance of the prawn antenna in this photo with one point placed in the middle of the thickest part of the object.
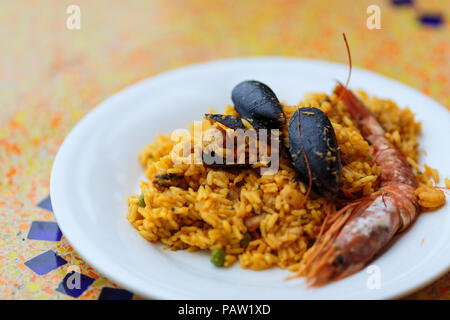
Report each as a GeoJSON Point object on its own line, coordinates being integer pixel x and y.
{"type": "Point", "coordinates": [349, 64]}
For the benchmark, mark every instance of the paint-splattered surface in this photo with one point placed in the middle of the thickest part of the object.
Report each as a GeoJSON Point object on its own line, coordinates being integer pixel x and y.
{"type": "Point", "coordinates": [51, 76]}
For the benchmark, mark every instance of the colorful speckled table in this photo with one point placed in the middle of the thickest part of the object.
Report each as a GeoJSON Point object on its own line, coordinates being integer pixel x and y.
{"type": "Point", "coordinates": [51, 74]}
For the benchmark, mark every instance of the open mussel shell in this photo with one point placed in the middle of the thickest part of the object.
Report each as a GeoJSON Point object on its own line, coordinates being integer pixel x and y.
{"type": "Point", "coordinates": [256, 101]}
{"type": "Point", "coordinates": [318, 140]}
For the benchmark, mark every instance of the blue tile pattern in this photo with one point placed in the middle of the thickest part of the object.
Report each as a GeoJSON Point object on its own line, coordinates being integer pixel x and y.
{"type": "Point", "coordinates": [402, 2]}
{"type": "Point", "coordinates": [431, 19]}
{"type": "Point", "coordinates": [44, 230]}
{"type": "Point", "coordinates": [115, 294]}
{"type": "Point", "coordinates": [45, 262]}
{"type": "Point", "coordinates": [46, 204]}
{"type": "Point", "coordinates": [74, 284]}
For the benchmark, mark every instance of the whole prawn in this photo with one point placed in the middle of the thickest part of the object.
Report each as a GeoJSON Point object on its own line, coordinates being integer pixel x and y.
{"type": "Point", "coordinates": [351, 237]}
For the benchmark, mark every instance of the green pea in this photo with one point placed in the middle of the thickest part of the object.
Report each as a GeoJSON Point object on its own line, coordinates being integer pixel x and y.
{"type": "Point", "coordinates": [141, 201]}
{"type": "Point", "coordinates": [218, 257]}
{"type": "Point", "coordinates": [245, 240]}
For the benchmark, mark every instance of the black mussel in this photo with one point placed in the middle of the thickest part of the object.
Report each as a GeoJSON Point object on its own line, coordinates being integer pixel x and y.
{"type": "Point", "coordinates": [318, 140]}
{"type": "Point", "coordinates": [233, 122]}
{"type": "Point", "coordinates": [167, 180]}
{"type": "Point", "coordinates": [255, 100]}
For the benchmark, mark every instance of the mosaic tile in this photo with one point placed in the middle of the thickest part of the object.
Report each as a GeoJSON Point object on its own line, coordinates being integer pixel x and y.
{"type": "Point", "coordinates": [431, 19]}
{"type": "Point", "coordinates": [74, 284]}
{"type": "Point", "coordinates": [45, 262]}
{"type": "Point", "coordinates": [44, 230]}
{"type": "Point", "coordinates": [46, 204]}
{"type": "Point", "coordinates": [402, 2]}
{"type": "Point", "coordinates": [115, 294]}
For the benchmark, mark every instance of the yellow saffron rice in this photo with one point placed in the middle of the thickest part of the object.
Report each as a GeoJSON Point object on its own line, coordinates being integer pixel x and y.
{"type": "Point", "coordinates": [209, 211]}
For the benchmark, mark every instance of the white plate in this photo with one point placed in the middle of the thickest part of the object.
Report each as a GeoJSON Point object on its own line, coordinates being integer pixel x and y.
{"type": "Point", "coordinates": [96, 169]}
